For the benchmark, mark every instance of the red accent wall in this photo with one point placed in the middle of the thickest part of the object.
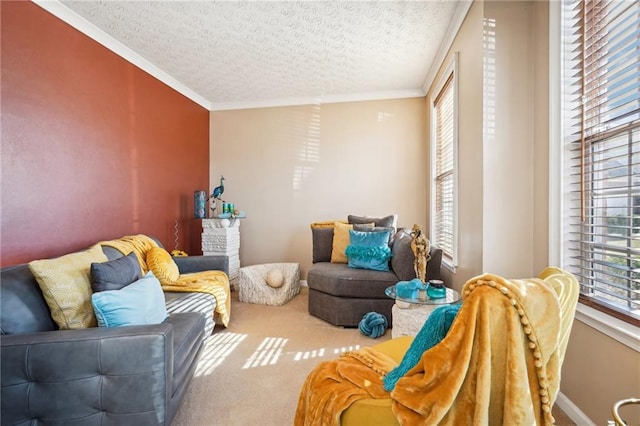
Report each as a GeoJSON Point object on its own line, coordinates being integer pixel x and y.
{"type": "Point", "coordinates": [93, 147]}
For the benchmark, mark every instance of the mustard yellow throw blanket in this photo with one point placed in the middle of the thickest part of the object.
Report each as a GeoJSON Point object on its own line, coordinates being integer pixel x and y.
{"type": "Point", "coordinates": [215, 283]}
{"type": "Point", "coordinates": [499, 364]}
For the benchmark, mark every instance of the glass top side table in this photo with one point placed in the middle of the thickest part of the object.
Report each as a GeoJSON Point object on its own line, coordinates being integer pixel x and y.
{"type": "Point", "coordinates": [409, 314]}
{"type": "Point", "coordinates": [452, 296]}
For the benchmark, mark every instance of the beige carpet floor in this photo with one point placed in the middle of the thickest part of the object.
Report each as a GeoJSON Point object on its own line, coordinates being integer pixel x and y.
{"type": "Point", "coordinates": [251, 372]}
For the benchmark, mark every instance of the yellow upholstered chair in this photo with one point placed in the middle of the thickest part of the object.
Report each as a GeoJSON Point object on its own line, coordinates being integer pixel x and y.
{"type": "Point", "coordinates": [499, 363]}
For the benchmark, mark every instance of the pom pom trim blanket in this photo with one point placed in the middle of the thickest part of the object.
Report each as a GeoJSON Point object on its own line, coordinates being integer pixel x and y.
{"type": "Point", "coordinates": [499, 363]}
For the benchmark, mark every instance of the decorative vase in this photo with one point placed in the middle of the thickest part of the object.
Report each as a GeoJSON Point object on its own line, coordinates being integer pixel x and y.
{"type": "Point", "coordinates": [199, 204]}
{"type": "Point", "coordinates": [436, 290]}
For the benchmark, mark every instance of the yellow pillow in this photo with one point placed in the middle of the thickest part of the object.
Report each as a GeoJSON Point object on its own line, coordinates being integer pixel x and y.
{"type": "Point", "coordinates": [326, 224]}
{"type": "Point", "coordinates": [66, 286]}
{"type": "Point", "coordinates": [162, 265]}
{"type": "Point", "coordinates": [340, 242]}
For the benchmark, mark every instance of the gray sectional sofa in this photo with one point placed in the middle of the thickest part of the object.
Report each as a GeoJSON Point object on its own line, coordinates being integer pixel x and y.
{"type": "Point", "coordinates": [342, 295]}
{"type": "Point", "coordinates": [129, 375]}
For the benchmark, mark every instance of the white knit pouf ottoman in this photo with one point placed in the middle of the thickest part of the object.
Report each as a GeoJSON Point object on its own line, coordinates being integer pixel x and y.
{"type": "Point", "coordinates": [253, 287]}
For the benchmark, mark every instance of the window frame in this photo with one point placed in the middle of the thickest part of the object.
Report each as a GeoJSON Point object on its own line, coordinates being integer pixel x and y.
{"type": "Point", "coordinates": [617, 329]}
{"type": "Point", "coordinates": [450, 71]}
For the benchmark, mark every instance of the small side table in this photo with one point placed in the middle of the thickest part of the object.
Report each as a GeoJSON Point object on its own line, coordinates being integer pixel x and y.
{"type": "Point", "coordinates": [222, 237]}
{"type": "Point", "coordinates": [409, 314]}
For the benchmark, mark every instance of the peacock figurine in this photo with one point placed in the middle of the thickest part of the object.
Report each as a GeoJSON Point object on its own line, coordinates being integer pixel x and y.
{"type": "Point", "coordinates": [216, 194]}
{"type": "Point", "coordinates": [218, 190]}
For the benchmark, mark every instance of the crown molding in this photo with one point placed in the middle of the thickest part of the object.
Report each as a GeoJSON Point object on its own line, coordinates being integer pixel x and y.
{"type": "Point", "coordinates": [456, 23]}
{"type": "Point", "coordinates": [79, 23]}
{"type": "Point", "coordinates": [327, 99]}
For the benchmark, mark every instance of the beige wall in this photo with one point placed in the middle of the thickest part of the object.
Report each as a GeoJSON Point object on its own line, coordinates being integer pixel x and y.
{"type": "Point", "coordinates": [597, 372]}
{"type": "Point", "coordinates": [508, 139]}
{"type": "Point", "coordinates": [290, 166]}
{"type": "Point", "coordinates": [502, 141]}
{"type": "Point", "coordinates": [468, 43]}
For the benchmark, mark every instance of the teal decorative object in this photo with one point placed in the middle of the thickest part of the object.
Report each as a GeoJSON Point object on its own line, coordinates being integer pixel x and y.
{"type": "Point", "coordinates": [199, 204]}
{"type": "Point", "coordinates": [436, 290]}
{"type": "Point", "coordinates": [409, 289]}
{"type": "Point", "coordinates": [373, 324]}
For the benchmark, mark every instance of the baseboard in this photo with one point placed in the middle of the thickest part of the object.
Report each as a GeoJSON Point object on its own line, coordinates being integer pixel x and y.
{"type": "Point", "coordinates": [573, 411]}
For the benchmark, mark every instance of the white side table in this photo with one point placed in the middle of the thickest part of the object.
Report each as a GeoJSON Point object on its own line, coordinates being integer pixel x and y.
{"type": "Point", "coordinates": [409, 315]}
{"type": "Point", "coordinates": [222, 237]}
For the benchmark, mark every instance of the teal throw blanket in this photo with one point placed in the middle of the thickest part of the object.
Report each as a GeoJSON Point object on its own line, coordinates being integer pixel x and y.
{"type": "Point", "coordinates": [433, 331]}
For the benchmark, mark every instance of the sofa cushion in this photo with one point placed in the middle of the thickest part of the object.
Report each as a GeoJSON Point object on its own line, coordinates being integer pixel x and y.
{"type": "Point", "coordinates": [162, 265]}
{"type": "Point", "coordinates": [66, 286]}
{"type": "Point", "coordinates": [203, 303]}
{"type": "Point", "coordinates": [322, 241]}
{"type": "Point", "coordinates": [369, 250]}
{"type": "Point", "coordinates": [387, 221]}
{"type": "Point", "coordinates": [22, 307]}
{"type": "Point", "coordinates": [368, 228]}
{"type": "Point", "coordinates": [326, 224]}
{"type": "Point", "coordinates": [340, 242]}
{"type": "Point", "coordinates": [339, 280]}
{"type": "Point", "coordinates": [115, 274]}
{"type": "Point", "coordinates": [402, 256]}
{"type": "Point", "coordinates": [139, 303]}
{"type": "Point", "coordinates": [111, 252]}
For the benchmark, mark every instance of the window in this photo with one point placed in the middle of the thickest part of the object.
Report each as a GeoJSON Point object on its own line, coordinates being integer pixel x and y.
{"type": "Point", "coordinates": [443, 166]}
{"type": "Point", "coordinates": [601, 157]}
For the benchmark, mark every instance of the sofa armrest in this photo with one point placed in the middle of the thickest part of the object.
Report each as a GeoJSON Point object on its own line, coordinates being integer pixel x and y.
{"type": "Point", "coordinates": [402, 256]}
{"type": "Point", "coordinates": [190, 264]}
{"type": "Point", "coordinates": [119, 375]}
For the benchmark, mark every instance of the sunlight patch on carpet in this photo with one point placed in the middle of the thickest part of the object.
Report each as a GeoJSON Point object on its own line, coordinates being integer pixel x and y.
{"type": "Point", "coordinates": [216, 349]}
{"type": "Point", "coordinates": [316, 353]}
{"type": "Point", "coordinates": [319, 353]}
{"type": "Point", "coordinates": [343, 349]}
{"type": "Point", "coordinates": [267, 353]}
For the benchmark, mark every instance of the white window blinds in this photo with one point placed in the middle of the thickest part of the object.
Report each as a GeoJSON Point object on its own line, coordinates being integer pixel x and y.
{"type": "Point", "coordinates": [601, 108]}
{"type": "Point", "coordinates": [444, 221]}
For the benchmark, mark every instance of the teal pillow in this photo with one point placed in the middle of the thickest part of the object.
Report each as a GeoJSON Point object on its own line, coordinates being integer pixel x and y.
{"type": "Point", "coordinates": [368, 250]}
{"type": "Point", "coordinates": [141, 302]}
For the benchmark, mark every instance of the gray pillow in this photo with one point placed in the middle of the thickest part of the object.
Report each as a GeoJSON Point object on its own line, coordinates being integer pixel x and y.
{"type": "Point", "coordinates": [115, 274]}
{"type": "Point", "coordinates": [369, 228]}
{"type": "Point", "coordinates": [402, 256]}
{"type": "Point", "coordinates": [387, 221]}
{"type": "Point", "coordinates": [322, 244]}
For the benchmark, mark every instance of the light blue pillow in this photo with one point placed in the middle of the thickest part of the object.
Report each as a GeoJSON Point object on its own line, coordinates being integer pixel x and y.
{"type": "Point", "coordinates": [369, 250]}
{"type": "Point", "coordinates": [141, 302]}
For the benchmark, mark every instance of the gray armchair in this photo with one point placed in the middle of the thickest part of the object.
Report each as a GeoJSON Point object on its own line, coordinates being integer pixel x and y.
{"type": "Point", "coordinates": [341, 295]}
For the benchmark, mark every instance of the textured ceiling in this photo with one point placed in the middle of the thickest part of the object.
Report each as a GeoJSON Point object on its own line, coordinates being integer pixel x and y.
{"type": "Point", "coordinates": [259, 53]}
